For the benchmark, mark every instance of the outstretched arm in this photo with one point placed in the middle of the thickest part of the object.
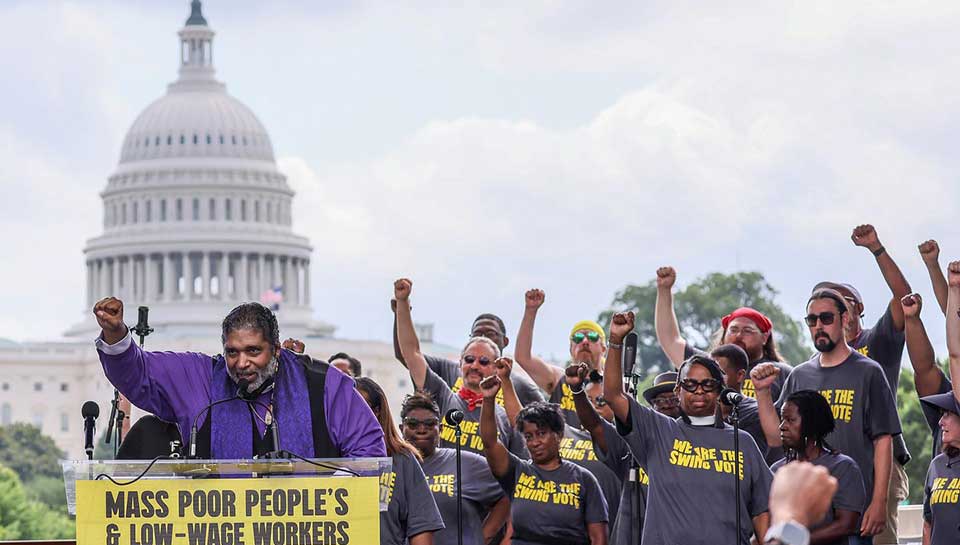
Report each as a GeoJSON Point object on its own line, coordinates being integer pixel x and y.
{"type": "Point", "coordinates": [866, 236]}
{"type": "Point", "coordinates": [511, 403]}
{"type": "Point", "coordinates": [620, 325]}
{"type": "Point", "coordinates": [763, 376]}
{"type": "Point", "coordinates": [397, 353]}
{"type": "Point", "coordinates": [407, 335]}
{"type": "Point", "coordinates": [665, 318]}
{"type": "Point", "coordinates": [927, 376]}
{"type": "Point", "coordinates": [497, 456]}
{"type": "Point", "coordinates": [930, 253]}
{"type": "Point", "coordinates": [546, 376]}
{"type": "Point", "coordinates": [953, 325]}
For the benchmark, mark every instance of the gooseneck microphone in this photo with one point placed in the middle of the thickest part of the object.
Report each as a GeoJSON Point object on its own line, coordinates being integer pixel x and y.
{"type": "Point", "coordinates": [242, 387]}
{"type": "Point", "coordinates": [730, 397]}
{"type": "Point", "coordinates": [90, 412]}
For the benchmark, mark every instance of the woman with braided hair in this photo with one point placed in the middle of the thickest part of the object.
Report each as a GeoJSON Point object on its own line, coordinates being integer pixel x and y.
{"type": "Point", "coordinates": [805, 421]}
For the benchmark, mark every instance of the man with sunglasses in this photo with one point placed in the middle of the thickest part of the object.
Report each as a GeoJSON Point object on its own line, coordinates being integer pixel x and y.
{"type": "Point", "coordinates": [587, 345]}
{"type": "Point", "coordinates": [691, 463]}
{"type": "Point", "coordinates": [859, 396]}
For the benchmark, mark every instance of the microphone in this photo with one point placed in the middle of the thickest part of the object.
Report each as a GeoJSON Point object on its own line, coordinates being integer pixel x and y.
{"type": "Point", "coordinates": [629, 353]}
{"type": "Point", "coordinates": [90, 412]}
{"type": "Point", "coordinates": [730, 397]}
{"type": "Point", "coordinates": [243, 384]}
{"type": "Point", "coordinates": [142, 329]}
{"type": "Point", "coordinates": [453, 417]}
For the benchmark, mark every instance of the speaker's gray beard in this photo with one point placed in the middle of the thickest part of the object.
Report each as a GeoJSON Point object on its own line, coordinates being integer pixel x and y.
{"type": "Point", "coordinates": [266, 373]}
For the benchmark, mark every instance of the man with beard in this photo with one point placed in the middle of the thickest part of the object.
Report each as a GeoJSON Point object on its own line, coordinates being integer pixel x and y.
{"type": "Point", "coordinates": [859, 396]}
{"type": "Point", "coordinates": [586, 346]}
{"type": "Point", "coordinates": [317, 407]}
{"type": "Point", "coordinates": [745, 327]}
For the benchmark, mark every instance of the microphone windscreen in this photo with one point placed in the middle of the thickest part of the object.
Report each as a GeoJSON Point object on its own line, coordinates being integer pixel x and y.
{"type": "Point", "coordinates": [454, 417]}
{"type": "Point", "coordinates": [242, 387]}
{"type": "Point", "coordinates": [90, 409]}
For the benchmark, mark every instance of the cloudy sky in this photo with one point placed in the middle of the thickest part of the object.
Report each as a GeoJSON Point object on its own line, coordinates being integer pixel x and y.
{"type": "Point", "coordinates": [486, 149]}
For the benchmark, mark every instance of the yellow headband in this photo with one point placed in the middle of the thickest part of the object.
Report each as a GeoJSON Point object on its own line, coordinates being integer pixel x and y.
{"type": "Point", "coordinates": [588, 325]}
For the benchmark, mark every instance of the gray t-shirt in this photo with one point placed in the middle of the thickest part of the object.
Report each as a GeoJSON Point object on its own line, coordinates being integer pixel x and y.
{"type": "Point", "coordinates": [470, 427]}
{"type": "Point", "coordinates": [749, 413]}
{"type": "Point", "coordinates": [562, 395]}
{"type": "Point", "coordinates": [941, 500]}
{"type": "Point", "coordinates": [850, 494]}
{"type": "Point", "coordinates": [883, 343]}
{"type": "Point", "coordinates": [747, 388]}
{"type": "Point", "coordinates": [862, 404]}
{"type": "Point", "coordinates": [633, 498]}
{"type": "Point", "coordinates": [449, 371]}
{"type": "Point", "coordinates": [480, 492]}
{"type": "Point", "coordinates": [552, 506]}
{"type": "Point", "coordinates": [410, 506]}
{"type": "Point", "coordinates": [577, 447]}
{"type": "Point", "coordinates": [691, 471]}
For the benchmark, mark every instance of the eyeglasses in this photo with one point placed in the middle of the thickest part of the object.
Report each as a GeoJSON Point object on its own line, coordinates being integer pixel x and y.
{"type": "Point", "coordinates": [414, 423]}
{"type": "Point", "coordinates": [470, 358]}
{"type": "Point", "coordinates": [826, 318]}
{"type": "Point", "coordinates": [665, 402]}
{"type": "Point", "coordinates": [489, 334]}
{"type": "Point", "coordinates": [599, 401]}
{"type": "Point", "coordinates": [746, 331]}
{"type": "Point", "coordinates": [579, 336]}
{"type": "Point", "coordinates": [708, 385]}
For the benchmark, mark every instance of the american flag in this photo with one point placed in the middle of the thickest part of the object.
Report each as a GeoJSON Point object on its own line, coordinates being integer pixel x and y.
{"type": "Point", "coordinates": [272, 298]}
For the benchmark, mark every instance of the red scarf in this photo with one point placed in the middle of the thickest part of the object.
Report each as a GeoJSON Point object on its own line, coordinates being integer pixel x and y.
{"type": "Point", "coordinates": [472, 398]}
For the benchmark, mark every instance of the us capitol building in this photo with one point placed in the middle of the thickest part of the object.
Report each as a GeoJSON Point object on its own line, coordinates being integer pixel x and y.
{"type": "Point", "coordinates": [196, 219]}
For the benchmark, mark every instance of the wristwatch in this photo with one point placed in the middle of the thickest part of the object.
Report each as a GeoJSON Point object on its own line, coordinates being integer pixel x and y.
{"type": "Point", "coordinates": [788, 533]}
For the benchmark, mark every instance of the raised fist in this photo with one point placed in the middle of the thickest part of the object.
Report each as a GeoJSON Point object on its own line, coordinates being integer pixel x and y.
{"type": "Point", "coordinates": [911, 305]}
{"type": "Point", "coordinates": [764, 375]}
{"type": "Point", "coordinates": [504, 367]}
{"type": "Point", "coordinates": [402, 289]}
{"type": "Point", "coordinates": [534, 299]}
{"type": "Point", "coordinates": [953, 274]}
{"type": "Point", "coordinates": [294, 345]}
{"type": "Point", "coordinates": [490, 387]}
{"type": "Point", "coordinates": [666, 277]}
{"type": "Point", "coordinates": [866, 236]}
{"type": "Point", "coordinates": [109, 314]}
{"type": "Point", "coordinates": [621, 324]}
{"type": "Point", "coordinates": [929, 251]}
{"type": "Point", "coordinates": [576, 375]}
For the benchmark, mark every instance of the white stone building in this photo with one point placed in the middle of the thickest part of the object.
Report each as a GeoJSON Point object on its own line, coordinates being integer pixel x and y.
{"type": "Point", "coordinates": [196, 219]}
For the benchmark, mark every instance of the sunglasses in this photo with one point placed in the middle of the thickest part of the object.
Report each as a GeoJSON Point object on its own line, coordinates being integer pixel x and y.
{"type": "Point", "coordinates": [578, 337]}
{"type": "Point", "coordinates": [470, 358]}
{"type": "Point", "coordinates": [414, 423]}
{"type": "Point", "coordinates": [708, 385]}
{"type": "Point", "coordinates": [665, 402]}
{"type": "Point", "coordinates": [826, 318]}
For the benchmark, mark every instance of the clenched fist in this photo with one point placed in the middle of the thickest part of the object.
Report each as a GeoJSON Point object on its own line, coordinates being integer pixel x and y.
{"type": "Point", "coordinates": [402, 289]}
{"type": "Point", "coordinates": [866, 236]}
{"type": "Point", "coordinates": [576, 375]}
{"type": "Point", "coordinates": [504, 367]}
{"type": "Point", "coordinates": [621, 325]}
{"type": "Point", "coordinates": [764, 375]}
{"type": "Point", "coordinates": [294, 345]}
{"type": "Point", "coordinates": [109, 314]}
{"type": "Point", "coordinates": [666, 277]}
{"type": "Point", "coordinates": [911, 305]}
{"type": "Point", "coordinates": [490, 387]}
{"type": "Point", "coordinates": [953, 274]}
{"type": "Point", "coordinates": [929, 251]}
{"type": "Point", "coordinates": [534, 299]}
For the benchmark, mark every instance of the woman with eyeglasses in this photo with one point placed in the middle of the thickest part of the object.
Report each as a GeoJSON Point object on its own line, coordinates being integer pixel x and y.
{"type": "Point", "coordinates": [411, 516]}
{"type": "Point", "coordinates": [477, 361]}
{"type": "Point", "coordinates": [485, 507]}
{"type": "Point", "coordinates": [690, 461]}
{"type": "Point", "coordinates": [552, 500]}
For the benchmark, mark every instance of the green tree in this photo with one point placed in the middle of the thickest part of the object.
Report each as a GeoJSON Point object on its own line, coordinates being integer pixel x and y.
{"type": "Point", "coordinates": [916, 433]}
{"type": "Point", "coordinates": [700, 306]}
{"type": "Point", "coordinates": [29, 453]}
{"type": "Point", "coordinates": [22, 518]}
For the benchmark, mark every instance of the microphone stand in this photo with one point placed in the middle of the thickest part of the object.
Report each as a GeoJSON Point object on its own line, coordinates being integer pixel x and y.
{"type": "Point", "coordinates": [735, 420]}
{"type": "Point", "coordinates": [629, 363]}
{"type": "Point", "coordinates": [453, 418]}
{"type": "Point", "coordinates": [117, 416]}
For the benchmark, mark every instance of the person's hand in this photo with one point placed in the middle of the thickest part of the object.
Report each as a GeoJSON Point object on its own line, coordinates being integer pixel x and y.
{"type": "Point", "coordinates": [801, 492]}
{"type": "Point", "coordinates": [490, 387]}
{"type": "Point", "coordinates": [953, 274]}
{"type": "Point", "coordinates": [294, 345]}
{"type": "Point", "coordinates": [402, 289]}
{"type": "Point", "coordinates": [666, 277]}
{"type": "Point", "coordinates": [109, 314]}
{"type": "Point", "coordinates": [929, 252]}
{"type": "Point", "coordinates": [576, 375]}
{"type": "Point", "coordinates": [621, 324]}
{"type": "Point", "coordinates": [534, 299]}
{"type": "Point", "coordinates": [764, 375]}
{"type": "Point", "coordinates": [504, 367]}
{"type": "Point", "coordinates": [866, 236]}
{"type": "Point", "coordinates": [874, 519]}
{"type": "Point", "coordinates": [911, 305]}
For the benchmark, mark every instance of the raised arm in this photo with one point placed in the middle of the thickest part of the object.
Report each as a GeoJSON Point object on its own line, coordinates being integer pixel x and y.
{"type": "Point", "coordinates": [953, 325]}
{"type": "Point", "coordinates": [665, 318]}
{"type": "Point", "coordinates": [511, 403]}
{"type": "Point", "coordinates": [930, 253]}
{"type": "Point", "coordinates": [927, 376]}
{"type": "Point", "coordinates": [620, 325]}
{"type": "Point", "coordinates": [407, 335]}
{"type": "Point", "coordinates": [576, 374]}
{"type": "Point", "coordinates": [497, 456]}
{"type": "Point", "coordinates": [763, 376]}
{"type": "Point", "coordinates": [546, 376]}
{"type": "Point", "coordinates": [397, 353]}
{"type": "Point", "coordinates": [109, 314]}
{"type": "Point", "coordinates": [866, 236]}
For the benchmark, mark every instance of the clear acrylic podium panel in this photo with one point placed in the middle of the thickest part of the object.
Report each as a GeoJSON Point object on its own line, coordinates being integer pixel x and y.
{"type": "Point", "coordinates": [126, 470]}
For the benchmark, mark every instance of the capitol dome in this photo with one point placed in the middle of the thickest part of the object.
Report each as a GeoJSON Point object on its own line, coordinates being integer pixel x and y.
{"type": "Point", "coordinates": [196, 216]}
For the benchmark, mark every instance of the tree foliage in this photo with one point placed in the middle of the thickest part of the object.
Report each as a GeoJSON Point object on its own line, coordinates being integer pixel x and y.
{"type": "Point", "coordinates": [22, 518]}
{"type": "Point", "coordinates": [916, 433]}
{"type": "Point", "coordinates": [29, 453]}
{"type": "Point", "coordinates": [699, 308]}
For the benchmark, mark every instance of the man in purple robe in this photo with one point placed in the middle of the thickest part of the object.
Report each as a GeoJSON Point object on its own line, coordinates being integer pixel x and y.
{"type": "Point", "coordinates": [316, 409]}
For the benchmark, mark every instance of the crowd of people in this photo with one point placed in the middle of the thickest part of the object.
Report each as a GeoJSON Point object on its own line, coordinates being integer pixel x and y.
{"type": "Point", "coordinates": [732, 444]}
